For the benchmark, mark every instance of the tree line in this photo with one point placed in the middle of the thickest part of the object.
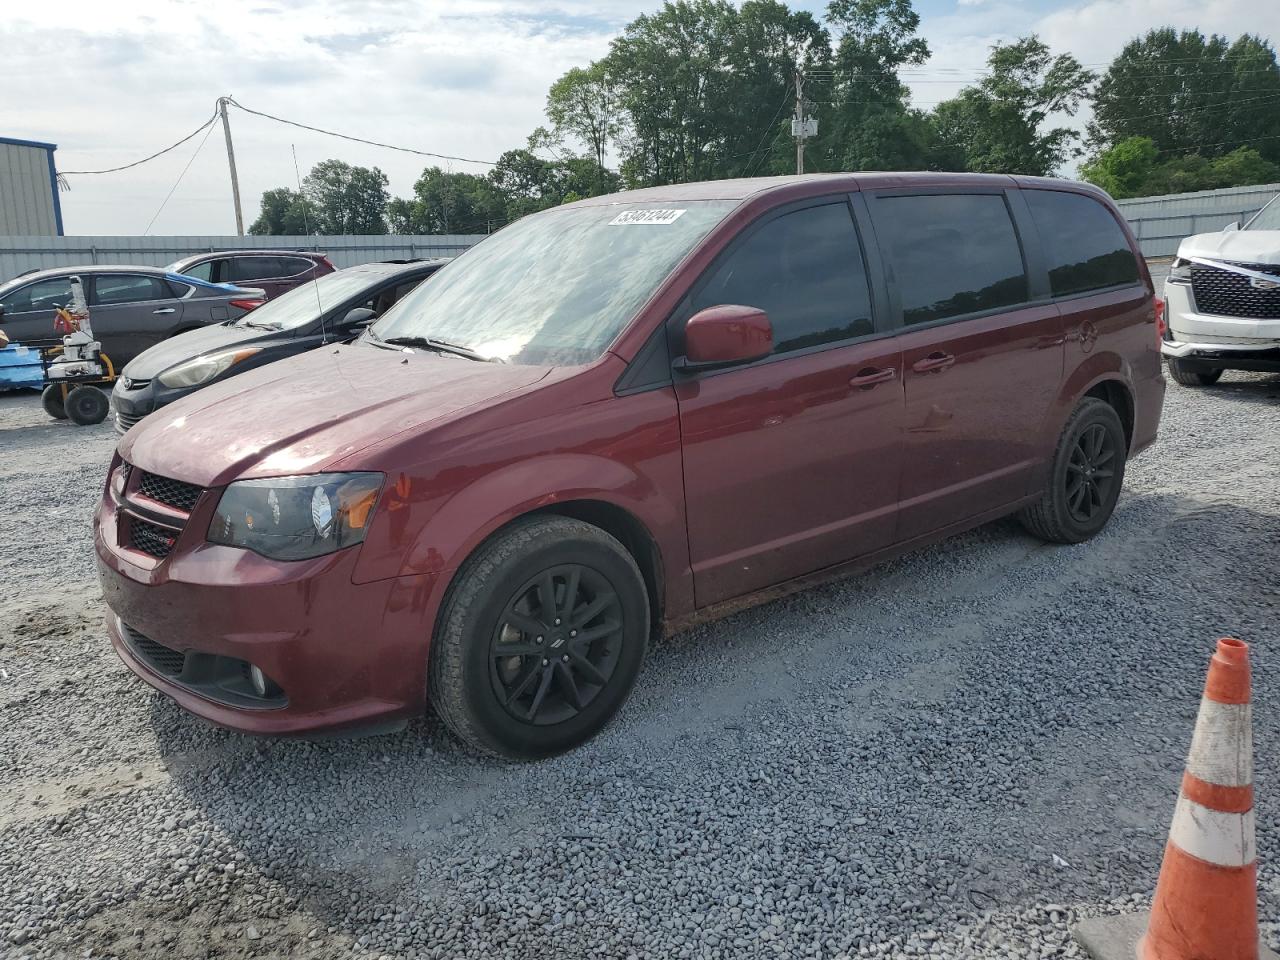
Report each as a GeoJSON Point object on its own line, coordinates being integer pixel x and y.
{"type": "Point", "coordinates": [703, 89]}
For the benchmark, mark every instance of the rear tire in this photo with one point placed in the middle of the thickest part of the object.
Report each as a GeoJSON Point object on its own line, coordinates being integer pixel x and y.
{"type": "Point", "coordinates": [51, 400]}
{"type": "Point", "coordinates": [1085, 477]}
{"type": "Point", "coordinates": [519, 677]}
{"type": "Point", "coordinates": [1193, 374]}
{"type": "Point", "coordinates": [87, 405]}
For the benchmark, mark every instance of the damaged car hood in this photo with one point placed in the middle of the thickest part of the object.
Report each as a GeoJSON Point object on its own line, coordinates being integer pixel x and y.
{"type": "Point", "coordinates": [1237, 246]}
{"type": "Point", "coordinates": [303, 414]}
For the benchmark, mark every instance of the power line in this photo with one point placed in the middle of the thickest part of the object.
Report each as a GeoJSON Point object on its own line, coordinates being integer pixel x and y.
{"type": "Point", "coordinates": [1221, 143]}
{"type": "Point", "coordinates": [786, 95]}
{"type": "Point", "coordinates": [198, 130]}
{"type": "Point", "coordinates": [195, 153]}
{"type": "Point", "coordinates": [343, 136]}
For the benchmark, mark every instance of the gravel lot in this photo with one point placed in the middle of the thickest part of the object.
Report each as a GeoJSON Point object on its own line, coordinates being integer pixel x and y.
{"type": "Point", "coordinates": [953, 755]}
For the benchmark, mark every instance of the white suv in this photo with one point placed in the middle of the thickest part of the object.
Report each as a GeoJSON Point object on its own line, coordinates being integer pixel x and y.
{"type": "Point", "coordinates": [1222, 301]}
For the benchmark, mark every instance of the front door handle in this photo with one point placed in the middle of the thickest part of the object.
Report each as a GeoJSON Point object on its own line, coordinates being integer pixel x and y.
{"type": "Point", "coordinates": [868, 378]}
{"type": "Point", "coordinates": [165, 310]}
{"type": "Point", "coordinates": [933, 363]}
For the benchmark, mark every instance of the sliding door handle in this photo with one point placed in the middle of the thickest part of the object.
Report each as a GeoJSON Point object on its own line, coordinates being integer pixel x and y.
{"type": "Point", "coordinates": [869, 377]}
{"type": "Point", "coordinates": [933, 363]}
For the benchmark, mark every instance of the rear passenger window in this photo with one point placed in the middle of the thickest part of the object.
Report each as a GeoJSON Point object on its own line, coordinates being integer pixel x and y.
{"type": "Point", "coordinates": [112, 288]}
{"type": "Point", "coordinates": [240, 269]}
{"type": "Point", "coordinates": [1085, 246]}
{"type": "Point", "coordinates": [805, 270]}
{"type": "Point", "coordinates": [951, 254]}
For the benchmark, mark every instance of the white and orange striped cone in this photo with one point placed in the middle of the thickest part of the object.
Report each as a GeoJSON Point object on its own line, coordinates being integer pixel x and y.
{"type": "Point", "coordinates": [1206, 900]}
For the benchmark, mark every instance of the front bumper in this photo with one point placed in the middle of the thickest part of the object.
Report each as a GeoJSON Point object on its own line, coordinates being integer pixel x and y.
{"type": "Point", "coordinates": [343, 654]}
{"type": "Point", "coordinates": [1223, 340]}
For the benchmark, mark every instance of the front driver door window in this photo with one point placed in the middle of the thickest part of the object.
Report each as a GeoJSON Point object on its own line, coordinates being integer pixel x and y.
{"type": "Point", "coordinates": [29, 311]}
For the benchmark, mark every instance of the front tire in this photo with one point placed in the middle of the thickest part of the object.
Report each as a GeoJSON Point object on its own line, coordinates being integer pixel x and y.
{"type": "Point", "coordinates": [87, 405]}
{"type": "Point", "coordinates": [1193, 375]}
{"type": "Point", "coordinates": [1085, 478]}
{"type": "Point", "coordinates": [540, 640]}
{"type": "Point", "coordinates": [51, 400]}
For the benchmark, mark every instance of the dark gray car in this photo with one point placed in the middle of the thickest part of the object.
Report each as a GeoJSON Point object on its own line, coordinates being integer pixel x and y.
{"type": "Point", "coordinates": [131, 308]}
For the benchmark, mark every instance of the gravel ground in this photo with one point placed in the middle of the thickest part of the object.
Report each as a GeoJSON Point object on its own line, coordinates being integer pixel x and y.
{"type": "Point", "coordinates": [955, 754]}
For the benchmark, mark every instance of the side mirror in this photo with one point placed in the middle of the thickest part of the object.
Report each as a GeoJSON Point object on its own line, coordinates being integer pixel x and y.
{"type": "Point", "coordinates": [725, 335]}
{"type": "Point", "coordinates": [1231, 227]}
{"type": "Point", "coordinates": [359, 317]}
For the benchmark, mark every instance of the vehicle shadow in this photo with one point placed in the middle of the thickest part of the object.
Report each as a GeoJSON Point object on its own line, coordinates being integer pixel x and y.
{"type": "Point", "coordinates": [838, 697]}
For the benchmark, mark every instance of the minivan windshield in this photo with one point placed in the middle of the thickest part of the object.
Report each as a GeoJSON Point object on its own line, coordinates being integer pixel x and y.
{"type": "Point", "coordinates": [304, 304]}
{"type": "Point", "coordinates": [1268, 218]}
{"type": "Point", "coordinates": [554, 288]}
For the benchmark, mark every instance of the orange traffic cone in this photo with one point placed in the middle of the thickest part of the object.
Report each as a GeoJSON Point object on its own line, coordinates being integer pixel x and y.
{"type": "Point", "coordinates": [1206, 901]}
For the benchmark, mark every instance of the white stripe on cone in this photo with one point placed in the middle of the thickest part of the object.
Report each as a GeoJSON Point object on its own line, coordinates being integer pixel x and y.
{"type": "Point", "coordinates": [1222, 746]}
{"type": "Point", "coordinates": [1225, 839]}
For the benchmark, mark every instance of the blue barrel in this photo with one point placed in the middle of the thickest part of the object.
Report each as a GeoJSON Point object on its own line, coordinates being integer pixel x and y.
{"type": "Point", "coordinates": [20, 367]}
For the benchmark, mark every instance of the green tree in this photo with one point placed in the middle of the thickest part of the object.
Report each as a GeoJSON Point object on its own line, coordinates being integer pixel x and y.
{"type": "Point", "coordinates": [704, 86]}
{"type": "Point", "coordinates": [1123, 170]}
{"type": "Point", "coordinates": [1184, 91]}
{"type": "Point", "coordinates": [998, 126]}
{"type": "Point", "coordinates": [449, 203]}
{"type": "Point", "coordinates": [281, 214]}
{"type": "Point", "coordinates": [583, 104]}
{"type": "Point", "coordinates": [869, 124]}
{"type": "Point", "coordinates": [343, 199]}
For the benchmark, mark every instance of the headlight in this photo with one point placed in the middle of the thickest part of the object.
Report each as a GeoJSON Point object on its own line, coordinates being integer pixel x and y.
{"type": "Point", "coordinates": [295, 518]}
{"type": "Point", "coordinates": [1180, 271]}
{"type": "Point", "coordinates": [205, 368]}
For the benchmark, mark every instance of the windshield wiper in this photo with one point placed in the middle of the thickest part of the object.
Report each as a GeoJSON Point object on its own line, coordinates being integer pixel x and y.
{"type": "Point", "coordinates": [439, 346]}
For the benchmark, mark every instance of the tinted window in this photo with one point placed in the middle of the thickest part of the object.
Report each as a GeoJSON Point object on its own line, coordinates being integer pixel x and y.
{"type": "Point", "coordinates": [803, 269]}
{"type": "Point", "coordinates": [129, 288]}
{"type": "Point", "coordinates": [1084, 244]}
{"type": "Point", "coordinates": [41, 295]}
{"type": "Point", "coordinates": [951, 255]}
{"type": "Point", "coordinates": [202, 271]}
{"type": "Point", "coordinates": [239, 269]}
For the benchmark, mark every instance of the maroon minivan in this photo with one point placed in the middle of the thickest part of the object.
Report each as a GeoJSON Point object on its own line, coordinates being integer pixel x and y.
{"type": "Point", "coordinates": [616, 416]}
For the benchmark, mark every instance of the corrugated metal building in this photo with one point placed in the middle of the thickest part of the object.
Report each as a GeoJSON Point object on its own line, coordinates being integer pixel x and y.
{"type": "Point", "coordinates": [1161, 223]}
{"type": "Point", "coordinates": [29, 204]}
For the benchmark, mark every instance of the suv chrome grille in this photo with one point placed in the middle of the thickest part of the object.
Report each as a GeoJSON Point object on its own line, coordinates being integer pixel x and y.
{"type": "Point", "coordinates": [1226, 294]}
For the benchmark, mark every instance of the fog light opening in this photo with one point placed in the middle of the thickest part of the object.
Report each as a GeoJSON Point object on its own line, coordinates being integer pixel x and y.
{"type": "Point", "coordinates": [262, 685]}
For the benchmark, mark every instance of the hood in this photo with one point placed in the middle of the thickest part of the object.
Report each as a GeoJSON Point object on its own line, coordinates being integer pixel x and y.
{"type": "Point", "coordinates": [1239, 246]}
{"type": "Point", "coordinates": [153, 361]}
{"type": "Point", "coordinates": [303, 414]}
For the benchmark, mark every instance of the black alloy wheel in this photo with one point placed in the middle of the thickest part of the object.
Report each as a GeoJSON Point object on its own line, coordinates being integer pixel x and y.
{"type": "Point", "coordinates": [1084, 478]}
{"type": "Point", "coordinates": [556, 644]}
{"type": "Point", "coordinates": [1090, 473]}
{"type": "Point", "coordinates": [540, 639]}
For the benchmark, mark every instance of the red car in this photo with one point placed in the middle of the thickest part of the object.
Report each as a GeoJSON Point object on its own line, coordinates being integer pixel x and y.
{"type": "Point", "coordinates": [271, 271]}
{"type": "Point", "coordinates": [617, 416]}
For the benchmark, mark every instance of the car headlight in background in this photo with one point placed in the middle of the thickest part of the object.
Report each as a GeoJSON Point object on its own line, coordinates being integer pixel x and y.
{"type": "Point", "coordinates": [1180, 271]}
{"type": "Point", "coordinates": [204, 368]}
{"type": "Point", "coordinates": [296, 518]}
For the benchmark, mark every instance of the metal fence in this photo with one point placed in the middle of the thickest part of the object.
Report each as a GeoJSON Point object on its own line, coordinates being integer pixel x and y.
{"type": "Point", "coordinates": [1161, 223]}
{"type": "Point", "coordinates": [21, 254]}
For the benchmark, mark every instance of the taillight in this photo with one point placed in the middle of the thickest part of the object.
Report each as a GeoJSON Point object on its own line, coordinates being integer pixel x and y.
{"type": "Point", "coordinates": [247, 304]}
{"type": "Point", "coordinates": [1160, 324]}
{"type": "Point", "coordinates": [327, 262]}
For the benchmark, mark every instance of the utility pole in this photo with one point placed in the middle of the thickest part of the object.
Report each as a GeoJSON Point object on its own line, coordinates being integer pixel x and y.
{"type": "Point", "coordinates": [231, 162]}
{"type": "Point", "coordinates": [802, 127]}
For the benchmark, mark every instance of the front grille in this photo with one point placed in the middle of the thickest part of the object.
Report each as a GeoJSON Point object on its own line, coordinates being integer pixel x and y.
{"type": "Point", "coordinates": [1226, 294]}
{"type": "Point", "coordinates": [172, 493]}
{"type": "Point", "coordinates": [151, 538]}
{"type": "Point", "coordinates": [125, 422]}
{"type": "Point", "coordinates": [160, 658]}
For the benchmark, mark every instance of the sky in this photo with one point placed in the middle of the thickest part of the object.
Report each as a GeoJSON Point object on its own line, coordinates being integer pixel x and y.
{"type": "Point", "coordinates": [111, 81]}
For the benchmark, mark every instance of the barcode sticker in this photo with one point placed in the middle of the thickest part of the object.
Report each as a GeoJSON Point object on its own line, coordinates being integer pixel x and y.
{"type": "Point", "coordinates": [629, 217]}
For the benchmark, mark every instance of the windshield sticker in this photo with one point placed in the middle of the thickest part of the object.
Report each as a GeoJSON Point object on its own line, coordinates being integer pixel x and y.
{"type": "Point", "coordinates": [629, 217]}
